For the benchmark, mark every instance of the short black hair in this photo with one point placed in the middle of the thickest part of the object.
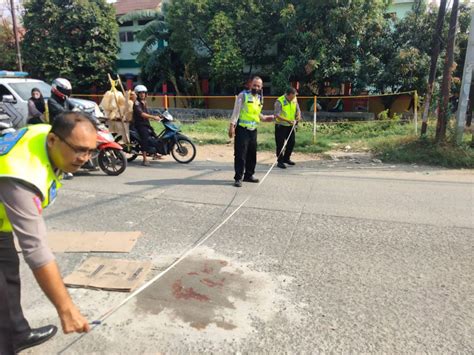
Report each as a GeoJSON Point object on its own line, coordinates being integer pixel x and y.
{"type": "Point", "coordinates": [65, 122]}
{"type": "Point", "coordinates": [291, 91]}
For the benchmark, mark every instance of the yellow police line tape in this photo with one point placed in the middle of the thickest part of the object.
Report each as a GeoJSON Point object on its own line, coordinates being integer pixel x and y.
{"type": "Point", "coordinates": [268, 97]}
{"type": "Point", "coordinates": [200, 241]}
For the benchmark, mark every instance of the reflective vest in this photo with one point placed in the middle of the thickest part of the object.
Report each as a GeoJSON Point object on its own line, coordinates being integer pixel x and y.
{"type": "Point", "coordinates": [24, 157]}
{"type": "Point", "coordinates": [288, 110]}
{"type": "Point", "coordinates": [250, 111]}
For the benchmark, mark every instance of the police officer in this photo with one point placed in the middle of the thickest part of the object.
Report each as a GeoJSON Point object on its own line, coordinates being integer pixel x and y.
{"type": "Point", "coordinates": [141, 122]}
{"type": "Point", "coordinates": [32, 160]}
{"type": "Point", "coordinates": [287, 113]}
{"type": "Point", "coordinates": [244, 121]}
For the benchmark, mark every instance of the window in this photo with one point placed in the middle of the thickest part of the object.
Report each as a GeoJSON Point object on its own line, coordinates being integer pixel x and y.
{"type": "Point", "coordinates": [4, 91]}
{"type": "Point", "coordinates": [126, 24]}
{"type": "Point", "coordinates": [126, 36]}
{"type": "Point", "coordinates": [23, 89]}
{"type": "Point", "coordinates": [143, 22]}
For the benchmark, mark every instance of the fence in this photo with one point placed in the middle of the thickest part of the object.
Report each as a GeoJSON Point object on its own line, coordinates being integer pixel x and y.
{"type": "Point", "coordinates": [355, 109]}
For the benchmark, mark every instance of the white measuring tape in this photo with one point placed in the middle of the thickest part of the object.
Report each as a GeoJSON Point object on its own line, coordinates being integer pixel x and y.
{"type": "Point", "coordinates": [201, 241]}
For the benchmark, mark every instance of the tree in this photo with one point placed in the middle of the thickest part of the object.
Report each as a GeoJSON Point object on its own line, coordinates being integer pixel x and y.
{"type": "Point", "coordinates": [7, 46]}
{"type": "Point", "coordinates": [435, 44]}
{"type": "Point", "coordinates": [321, 41]}
{"type": "Point", "coordinates": [447, 75]}
{"type": "Point", "coordinates": [76, 39]}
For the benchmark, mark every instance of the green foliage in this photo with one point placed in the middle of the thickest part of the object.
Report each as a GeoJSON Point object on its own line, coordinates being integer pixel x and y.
{"type": "Point", "coordinates": [7, 46]}
{"type": "Point", "coordinates": [75, 39]}
{"type": "Point", "coordinates": [424, 151]}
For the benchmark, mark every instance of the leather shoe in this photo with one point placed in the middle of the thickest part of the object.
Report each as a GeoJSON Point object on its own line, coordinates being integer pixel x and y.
{"type": "Point", "coordinates": [238, 183]}
{"type": "Point", "coordinates": [251, 179]}
{"type": "Point", "coordinates": [290, 162]}
{"type": "Point", "coordinates": [281, 165]}
{"type": "Point", "coordinates": [35, 337]}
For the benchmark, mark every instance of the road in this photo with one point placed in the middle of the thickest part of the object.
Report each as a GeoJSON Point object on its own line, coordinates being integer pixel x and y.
{"type": "Point", "coordinates": [328, 256]}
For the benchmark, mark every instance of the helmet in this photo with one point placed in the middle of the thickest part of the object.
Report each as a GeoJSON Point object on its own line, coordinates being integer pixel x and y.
{"type": "Point", "coordinates": [140, 88]}
{"type": "Point", "coordinates": [62, 88]}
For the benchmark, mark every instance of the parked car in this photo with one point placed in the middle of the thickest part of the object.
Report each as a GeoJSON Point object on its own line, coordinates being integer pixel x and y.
{"type": "Point", "coordinates": [15, 90]}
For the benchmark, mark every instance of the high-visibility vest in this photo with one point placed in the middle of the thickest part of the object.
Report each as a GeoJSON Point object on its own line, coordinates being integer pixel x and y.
{"type": "Point", "coordinates": [24, 157]}
{"type": "Point", "coordinates": [288, 110]}
{"type": "Point", "coordinates": [250, 111]}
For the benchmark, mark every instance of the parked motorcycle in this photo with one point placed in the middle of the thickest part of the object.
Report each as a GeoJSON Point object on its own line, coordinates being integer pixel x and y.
{"type": "Point", "coordinates": [168, 141]}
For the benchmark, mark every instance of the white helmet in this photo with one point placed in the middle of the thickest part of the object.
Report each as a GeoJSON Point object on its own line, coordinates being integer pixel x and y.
{"type": "Point", "coordinates": [61, 87]}
{"type": "Point", "coordinates": [140, 88]}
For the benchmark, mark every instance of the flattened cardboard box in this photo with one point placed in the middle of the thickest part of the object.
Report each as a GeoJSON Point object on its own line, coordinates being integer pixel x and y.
{"type": "Point", "coordinates": [87, 242]}
{"type": "Point", "coordinates": [109, 274]}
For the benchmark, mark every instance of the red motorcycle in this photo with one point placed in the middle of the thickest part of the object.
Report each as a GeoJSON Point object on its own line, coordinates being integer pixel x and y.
{"type": "Point", "coordinates": [109, 154]}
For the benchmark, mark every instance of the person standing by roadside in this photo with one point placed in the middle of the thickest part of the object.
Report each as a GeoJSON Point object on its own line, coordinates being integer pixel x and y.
{"type": "Point", "coordinates": [36, 107]}
{"type": "Point", "coordinates": [287, 114]}
{"type": "Point", "coordinates": [244, 121]}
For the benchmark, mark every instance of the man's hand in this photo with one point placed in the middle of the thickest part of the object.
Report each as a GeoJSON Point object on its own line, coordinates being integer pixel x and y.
{"type": "Point", "coordinates": [73, 321]}
{"type": "Point", "coordinates": [268, 118]}
{"type": "Point", "coordinates": [157, 118]}
{"type": "Point", "coordinates": [231, 131]}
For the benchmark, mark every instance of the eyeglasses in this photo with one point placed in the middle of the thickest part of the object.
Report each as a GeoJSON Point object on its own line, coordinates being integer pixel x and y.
{"type": "Point", "coordinates": [80, 152]}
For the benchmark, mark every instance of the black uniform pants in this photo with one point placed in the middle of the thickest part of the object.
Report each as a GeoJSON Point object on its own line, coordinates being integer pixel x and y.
{"type": "Point", "coordinates": [13, 325]}
{"type": "Point", "coordinates": [281, 133]}
{"type": "Point", "coordinates": [245, 152]}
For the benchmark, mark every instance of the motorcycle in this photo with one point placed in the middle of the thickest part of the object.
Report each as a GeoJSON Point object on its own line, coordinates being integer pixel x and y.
{"type": "Point", "coordinates": [168, 141]}
{"type": "Point", "coordinates": [109, 154]}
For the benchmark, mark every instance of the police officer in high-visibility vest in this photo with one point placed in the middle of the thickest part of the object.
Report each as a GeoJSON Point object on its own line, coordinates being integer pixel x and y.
{"type": "Point", "coordinates": [244, 121]}
{"type": "Point", "coordinates": [32, 161]}
{"type": "Point", "coordinates": [287, 114]}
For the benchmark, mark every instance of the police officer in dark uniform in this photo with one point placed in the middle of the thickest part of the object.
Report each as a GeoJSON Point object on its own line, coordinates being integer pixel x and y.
{"type": "Point", "coordinates": [244, 121]}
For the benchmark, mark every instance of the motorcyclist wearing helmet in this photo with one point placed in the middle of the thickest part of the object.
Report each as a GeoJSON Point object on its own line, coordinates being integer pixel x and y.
{"type": "Point", "coordinates": [61, 90]}
{"type": "Point", "coordinates": [141, 121]}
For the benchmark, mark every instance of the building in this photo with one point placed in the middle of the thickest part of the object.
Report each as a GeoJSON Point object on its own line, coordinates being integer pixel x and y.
{"type": "Point", "coordinates": [400, 8]}
{"type": "Point", "coordinates": [127, 66]}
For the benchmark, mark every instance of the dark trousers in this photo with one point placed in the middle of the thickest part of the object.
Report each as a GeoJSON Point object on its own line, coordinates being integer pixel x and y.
{"type": "Point", "coordinates": [13, 324]}
{"type": "Point", "coordinates": [281, 133]}
{"type": "Point", "coordinates": [144, 133]}
{"type": "Point", "coordinates": [245, 152]}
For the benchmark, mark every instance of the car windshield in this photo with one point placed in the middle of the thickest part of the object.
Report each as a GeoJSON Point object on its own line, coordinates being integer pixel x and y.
{"type": "Point", "coordinates": [23, 89]}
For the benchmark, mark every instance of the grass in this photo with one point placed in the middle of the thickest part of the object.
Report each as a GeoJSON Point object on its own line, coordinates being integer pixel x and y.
{"type": "Point", "coordinates": [390, 141]}
{"type": "Point", "coordinates": [424, 151]}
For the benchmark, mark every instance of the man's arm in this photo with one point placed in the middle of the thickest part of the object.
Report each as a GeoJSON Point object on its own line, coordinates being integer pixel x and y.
{"type": "Point", "coordinates": [235, 114]}
{"type": "Point", "coordinates": [23, 208]}
{"type": "Point", "coordinates": [137, 109]}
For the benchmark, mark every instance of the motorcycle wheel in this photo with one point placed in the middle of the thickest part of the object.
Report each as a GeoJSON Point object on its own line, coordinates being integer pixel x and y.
{"type": "Point", "coordinates": [184, 151]}
{"type": "Point", "coordinates": [112, 161]}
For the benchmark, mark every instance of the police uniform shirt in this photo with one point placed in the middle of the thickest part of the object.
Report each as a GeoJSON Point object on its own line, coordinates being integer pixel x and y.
{"type": "Point", "coordinates": [23, 206]}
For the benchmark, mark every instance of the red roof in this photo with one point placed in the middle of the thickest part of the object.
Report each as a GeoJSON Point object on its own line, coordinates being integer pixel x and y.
{"type": "Point", "coordinates": [123, 7]}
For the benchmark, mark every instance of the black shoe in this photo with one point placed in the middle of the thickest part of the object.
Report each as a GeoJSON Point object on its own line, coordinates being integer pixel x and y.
{"type": "Point", "coordinates": [36, 337]}
{"type": "Point", "coordinates": [238, 183]}
{"type": "Point", "coordinates": [68, 176]}
{"type": "Point", "coordinates": [281, 165]}
{"type": "Point", "coordinates": [289, 162]}
{"type": "Point", "coordinates": [251, 179]}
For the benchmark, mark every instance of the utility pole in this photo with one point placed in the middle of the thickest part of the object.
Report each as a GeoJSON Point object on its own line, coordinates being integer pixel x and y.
{"type": "Point", "coordinates": [15, 33]}
{"type": "Point", "coordinates": [466, 83]}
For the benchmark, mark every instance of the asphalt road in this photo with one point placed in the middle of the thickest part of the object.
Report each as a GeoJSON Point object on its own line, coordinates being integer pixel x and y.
{"type": "Point", "coordinates": [339, 256]}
